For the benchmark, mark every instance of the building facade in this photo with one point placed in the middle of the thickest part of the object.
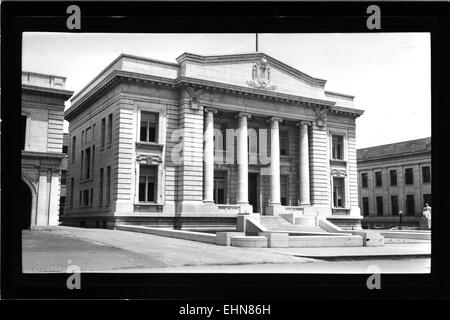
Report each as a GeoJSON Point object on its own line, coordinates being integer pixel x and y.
{"type": "Point", "coordinates": [42, 119]}
{"type": "Point", "coordinates": [392, 178]}
{"type": "Point", "coordinates": [197, 142]}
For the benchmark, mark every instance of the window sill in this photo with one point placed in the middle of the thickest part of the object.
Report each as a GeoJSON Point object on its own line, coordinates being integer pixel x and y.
{"type": "Point", "coordinates": [149, 204]}
{"type": "Point", "coordinates": [338, 161]}
{"type": "Point", "coordinates": [86, 180]}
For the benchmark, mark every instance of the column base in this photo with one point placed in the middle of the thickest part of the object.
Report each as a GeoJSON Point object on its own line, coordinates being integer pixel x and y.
{"type": "Point", "coordinates": [274, 209]}
{"type": "Point", "coordinates": [245, 208]}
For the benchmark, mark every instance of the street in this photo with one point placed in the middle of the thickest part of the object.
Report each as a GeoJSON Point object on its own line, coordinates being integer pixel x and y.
{"type": "Point", "coordinates": [102, 250]}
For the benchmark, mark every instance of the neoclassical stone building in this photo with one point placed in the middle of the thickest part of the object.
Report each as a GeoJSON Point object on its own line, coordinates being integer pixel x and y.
{"type": "Point", "coordinates": [43, 99]}
{"type": "Point", "coordinates": [394, 177]}
{"type": "Point", "coordinates": [197, 142]}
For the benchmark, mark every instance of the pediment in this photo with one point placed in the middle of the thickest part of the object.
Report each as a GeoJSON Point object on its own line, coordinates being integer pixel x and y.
{"type": "Point", "coordinates": [253, 70]}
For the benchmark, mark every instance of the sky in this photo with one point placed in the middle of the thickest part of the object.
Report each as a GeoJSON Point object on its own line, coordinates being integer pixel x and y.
{"type": "Point", "coordinates": [388, 73]}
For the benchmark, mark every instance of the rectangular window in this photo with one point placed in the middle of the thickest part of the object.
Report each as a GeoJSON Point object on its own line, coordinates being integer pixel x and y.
{"type": "Point", "coordinates": [147, 183]}
{"type": "Point", "coordinates": [64, 149]}
{"type": "Point", "coordinates": [283, 189]}
{"type": "Point", "coordinates": [110, 119]}
{"type": "Point", "coordinates": [62, 205]}
{"type": "Point", "coordinates": [284, 143]}
{"type": "Point", "coordinates": [219, 189]}
{"type": "Point", "coordinates": [409, 179]}
{"type": "Point", "coordinates": [393, 177]}
{"type": "Point", "coordinates": [378, 179]}
{"type": "Point", "coordinates": [63, 177]}
{"type": "Point", "coordinates": [87, 159]}
{"type": "Point", "coordinates": [91, 197]}
{"type": "Point", "coordinates": [82, 165]}
{"type": "Point", "coordinates": [23, 131]}
{"type": "Point", "coordinates": [337, 147]}
{"type": "Point", "coordinates": [149, 125]}
{"type": "Point", "coordinates": [108, 185]}
{"type": "Point", "coordinates": [88, 135]}
{"type": "Point", "coordinates": [71, 192]}
{"type": "Point", "coordinates": [93, 162]}
{"type": "Point", "coordinates": [80, 199]}
{"type": "Point", "coordinates": [365, 202]}
{"type": "Point", "coordinates": [427, 199]}
{"type": "Point", "coordinates": [74, 142]}
{"type": "Point", "coordinates": [82, 137]}
{"type": "Point", "coordinates": [426, 175]}
{"type": "Point", "coordinates": [379, 206]}
{"type": "Point", "coordinates": [364, 180]}
{"type": "Point", "coordinates": [394, 205]}
{"type": "Point", "coordinates": [102, 141]}
{"type": "Point", "coordinates": [410, 210]}
{"type": "Point", "coordinates": [85, 197]}
{"type": "Point", "coordinates": [338, 193]}
{"type": "Point", "coordinates": [100, 192]}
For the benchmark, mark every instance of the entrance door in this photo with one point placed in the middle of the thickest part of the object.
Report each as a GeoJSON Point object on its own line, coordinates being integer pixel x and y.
{"type": "Point", "coordinates": [26, 206]}
{"type": "Point", "coordinates": [253, 190]}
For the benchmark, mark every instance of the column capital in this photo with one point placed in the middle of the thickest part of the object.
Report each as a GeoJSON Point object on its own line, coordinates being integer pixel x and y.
{"type": "Point", "coordinates": [275, 119]}
{"type": "Point", "coordinates": [209, 109]}
{"type": "Point", "coordinates": [243, 114]}
{"type": "Point", "coordinates": [304, 123]}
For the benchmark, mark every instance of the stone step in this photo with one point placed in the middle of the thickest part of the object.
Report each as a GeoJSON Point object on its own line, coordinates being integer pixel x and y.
{"type": "Point", "coordinates": [280, 224]}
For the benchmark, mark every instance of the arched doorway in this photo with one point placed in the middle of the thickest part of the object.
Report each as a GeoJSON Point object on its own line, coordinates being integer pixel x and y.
{"type": "Point", "coordinates": [25, 217]}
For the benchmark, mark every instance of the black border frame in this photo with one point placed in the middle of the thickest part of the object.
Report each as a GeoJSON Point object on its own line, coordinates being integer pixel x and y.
{"type": "Point", "coordinates": [216, 17]}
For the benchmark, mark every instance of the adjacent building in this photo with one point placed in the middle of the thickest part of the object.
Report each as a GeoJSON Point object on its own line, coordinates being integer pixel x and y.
{"type": "Point", "coordinates": [42, 117]}
{"type": "Point", "coordinates": [392, 178]}
{"type": "Point", "coordinates": [197, 142]}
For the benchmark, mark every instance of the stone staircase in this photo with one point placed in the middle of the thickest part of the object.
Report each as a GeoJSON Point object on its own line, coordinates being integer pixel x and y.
{"type": "Point", "coordinates": [275, 223]}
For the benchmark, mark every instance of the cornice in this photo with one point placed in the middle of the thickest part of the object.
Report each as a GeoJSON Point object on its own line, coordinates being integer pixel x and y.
{"type": "Point", "coordinates": [65, 94]}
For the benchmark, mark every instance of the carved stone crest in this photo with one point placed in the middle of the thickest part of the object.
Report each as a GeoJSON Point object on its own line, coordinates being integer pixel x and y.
{"type": "Point", "coordinates": [321, 117]}
{"type": "Point", "coordinates": [195, 94]}
{"type": "Point", "coordinates": [261, 76]}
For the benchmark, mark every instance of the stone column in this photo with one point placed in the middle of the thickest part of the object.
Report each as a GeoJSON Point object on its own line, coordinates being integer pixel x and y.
{"type": "Point", "coordinates": [304, 163]}
{"type": "Point", "coordinates": [275, 160]}
{"type": "Point", "coordinates": [208, 157]}
{"type": "Point", "coordinates": [242, 158]}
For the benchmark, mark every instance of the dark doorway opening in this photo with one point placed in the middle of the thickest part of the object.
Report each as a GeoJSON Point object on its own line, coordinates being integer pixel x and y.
{"type": "Point", "coordinates": [26, 206]}
{"type": "Point", "coordinates": [253, 190]}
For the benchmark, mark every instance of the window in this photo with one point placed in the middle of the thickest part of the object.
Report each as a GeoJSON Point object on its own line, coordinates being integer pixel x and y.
{"type": "Point", "coordinates": [283, 189]}
{"type": "Point", "coordinates": [87, 160]}
{"type": "Point", "coordinates": [23, 131]}
{"type": "Point", "coordinates": [393, 177]}
{"type": "Point", "coordinates": [219, 189]}
{"type": "Point", "coordinates": [102, 142]}
{"type": "Point", "coordinates": [108, 185]}
{"type": "Point", "coordinates": [149, 124]}
{"type": "Point", "coordinates": [110, 119]}
{"type": "Point", "coordinates": [85, 197]}
{"type": "Point", "coordinates": [71, 192]}
{"type": "Point", "coordinates": [80, 198]}
{"type": "Point", "coordinates": [364, 180]}
{"type": "Point", "coordinates": [64, 149]}
{"type": "Point", "coordinates": [88, 135]}
{"type": "Point", "coordinates": [410, 210]}
{"type": "Point", "coordinates": [284, 143]}
{"type": "Point", "coordinates": [147, 183]}
{"type": "Point", "coordinates": [82, 137]}
{"type": "Point", "coordinates": [63, 177]}
{"type": "Point", "coordinates": [100, 192]}
{"type": "Point", "coordinates": [91, 197]}
{"type": "Point", "coordinates": [93, 161]}
{"type": "Point", "coordinates": [337, 147]}
{"type": "Point", "coordinates": [62, 205]}
{"type": "Point", "coordinates": [365, 202]}
{"type": "Point", "coordinates": [409, 176]}
{"type": "Point", "coordinates": [394, 205]}
{"type": "Point", "coordinates": [379, 206]}
{"type": "Point", "coordinates": [74, 142]}
{"type": "Point", "coordinates": [427, 199]}
{"type": "Point", "coordinates": [378, 179]}
{"type": "Point", "coordinates": [426, 175]}
{"type": "Point", "coordinates": [338, 193]}
{"type": "Point", "coordinates": [82, 164]}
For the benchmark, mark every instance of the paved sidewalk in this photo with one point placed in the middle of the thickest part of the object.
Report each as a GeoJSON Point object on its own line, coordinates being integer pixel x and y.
{"type": "Point", "coordinates": [390, 250]}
